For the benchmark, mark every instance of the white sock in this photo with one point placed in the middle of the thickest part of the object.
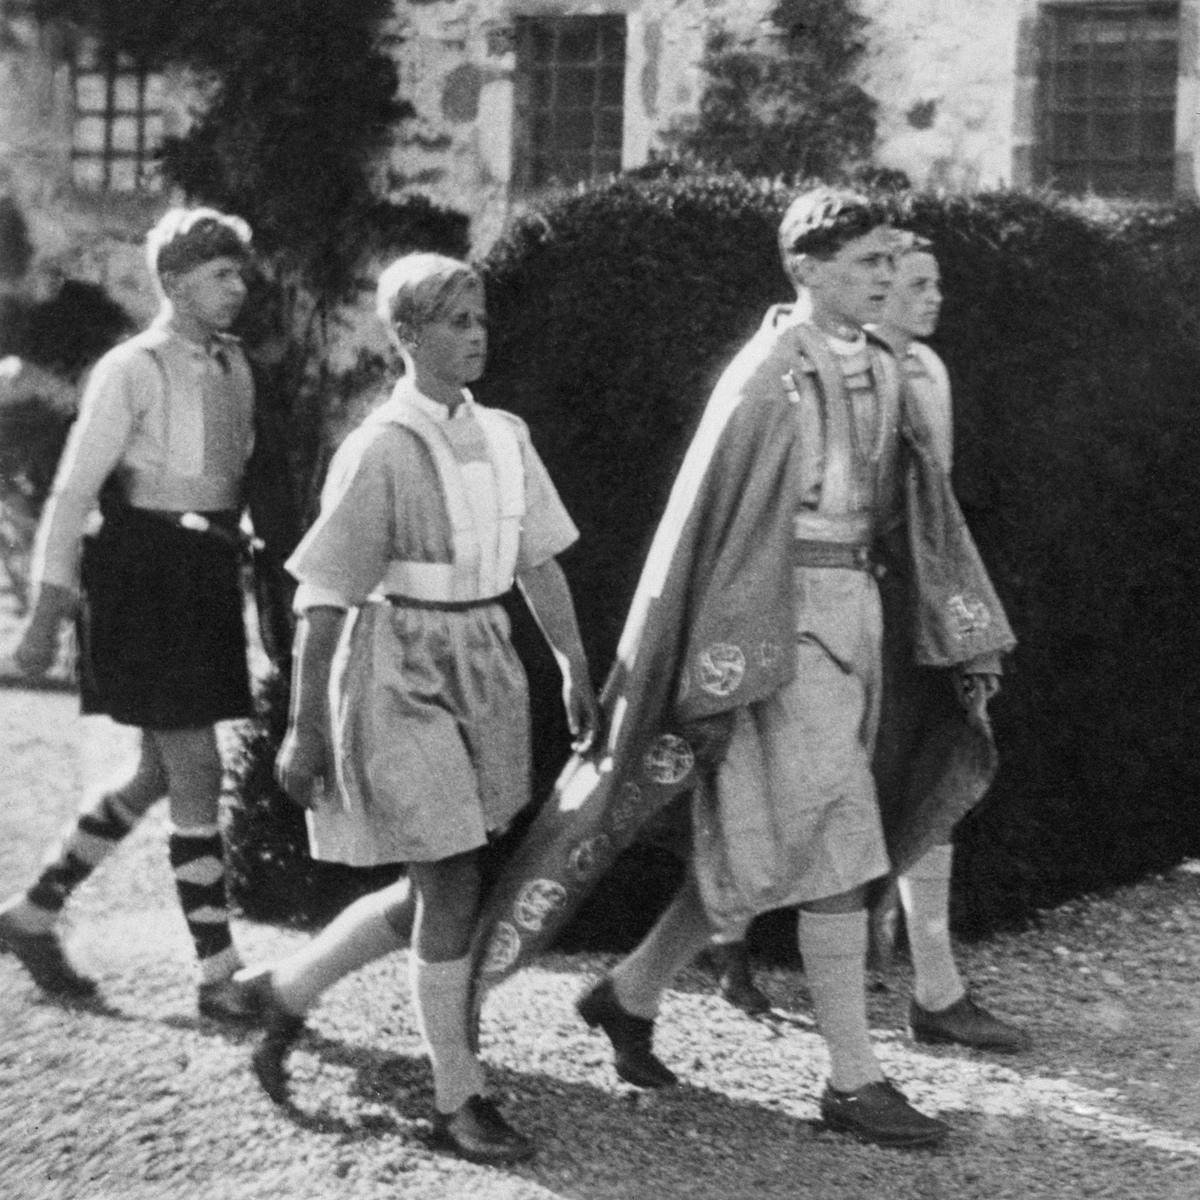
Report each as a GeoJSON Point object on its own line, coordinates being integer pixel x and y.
{"type": "Point", "coordinates": [358, 935]}
{"type": "Point", "coordinates": [640, 978]}
{"type": "Point", "coordinates": [834, 948]}
{"type": "Point", "coordinates": [925, 896]}
{"type": "Point", "coordinates": [27, 916]}
{"type": "Point", "coordinates": [440, 992]}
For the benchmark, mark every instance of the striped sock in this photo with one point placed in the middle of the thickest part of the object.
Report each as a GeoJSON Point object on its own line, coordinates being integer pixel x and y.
{"type": "Point", "coordinates": [198, 862]}
{"type": "Point", "coordinates": [86, 843]}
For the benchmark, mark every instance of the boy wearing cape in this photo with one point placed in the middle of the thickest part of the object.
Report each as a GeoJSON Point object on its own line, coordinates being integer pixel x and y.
{"type": "Point", "coordinates": [749, 671]}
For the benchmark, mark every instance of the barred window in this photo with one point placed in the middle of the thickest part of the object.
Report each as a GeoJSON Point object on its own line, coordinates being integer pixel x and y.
{"type": "Point", "coordinates": [118, 129]}
{"type": "Point", "coordinates": [1107, 90]}
{"type": "Point", "coordinates": [569, 93]}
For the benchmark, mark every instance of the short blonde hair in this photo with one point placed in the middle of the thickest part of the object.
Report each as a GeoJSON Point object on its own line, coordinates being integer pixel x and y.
{"type": "Point", "coordinates": [418, 288]}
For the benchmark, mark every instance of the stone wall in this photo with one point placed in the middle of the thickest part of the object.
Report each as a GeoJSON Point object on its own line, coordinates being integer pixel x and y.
{"type": "Point", "coordinates": [953, 78]}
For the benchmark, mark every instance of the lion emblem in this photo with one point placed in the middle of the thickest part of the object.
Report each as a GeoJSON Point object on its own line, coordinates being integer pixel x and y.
{"type": "Point", "coordinates": [669, 759]}
{"type": "Point", "coordinates": [502, 949]}
{"type": "Point", "coordinates": [721, 668]}
{"type": "Point", "coordinates": [969, 614]}
{"type": "Point", "coordinates": [536, 901]}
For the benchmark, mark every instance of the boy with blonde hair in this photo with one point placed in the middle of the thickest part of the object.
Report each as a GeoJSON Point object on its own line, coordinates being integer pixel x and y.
{"type": "Point", "coordinates": [408, 697]}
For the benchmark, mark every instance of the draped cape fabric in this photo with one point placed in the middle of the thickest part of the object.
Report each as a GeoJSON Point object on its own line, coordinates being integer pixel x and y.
{"type": "Point", "coordinates": [710, 629]}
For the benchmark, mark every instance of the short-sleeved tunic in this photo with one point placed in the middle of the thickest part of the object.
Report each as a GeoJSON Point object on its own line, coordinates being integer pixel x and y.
{"type": "Point", "coordinates": [429, 704]}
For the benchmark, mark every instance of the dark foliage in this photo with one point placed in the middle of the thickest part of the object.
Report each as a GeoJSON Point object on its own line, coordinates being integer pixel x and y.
{"type": "Point", "coordinates": [298, 106]}
{"type": "Point", "coordinates": [784, 105]}
{"type": "Point", "coordinates": [16, 250]}
{"type": "Point", "coordinates": [66, 333]}
{"type": "Point", "coordinates": [1074, 373]}
{"type": "Point", "coordinates": [1073, 364]}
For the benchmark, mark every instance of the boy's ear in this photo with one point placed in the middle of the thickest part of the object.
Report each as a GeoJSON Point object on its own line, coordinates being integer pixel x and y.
{"type": "Point", "coordinates": [799, 268]}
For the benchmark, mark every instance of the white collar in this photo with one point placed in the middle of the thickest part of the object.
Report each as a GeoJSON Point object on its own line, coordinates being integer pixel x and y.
{"type": "Point", "coordinates": [405, 392]}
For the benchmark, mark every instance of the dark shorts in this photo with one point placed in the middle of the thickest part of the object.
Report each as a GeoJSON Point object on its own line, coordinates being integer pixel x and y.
{"type": "Point", "coordinates": [162, 641]}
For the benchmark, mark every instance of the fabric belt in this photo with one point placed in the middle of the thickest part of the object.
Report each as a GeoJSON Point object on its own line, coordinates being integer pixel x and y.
{"type": "Point", "coordinates": [441, 605]}
{"type": "Point", "coordinates": [847, 556]}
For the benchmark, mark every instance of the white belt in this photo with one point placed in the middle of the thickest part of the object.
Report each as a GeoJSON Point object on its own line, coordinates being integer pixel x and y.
{"type": "Point", "coordinates": [433, 583]}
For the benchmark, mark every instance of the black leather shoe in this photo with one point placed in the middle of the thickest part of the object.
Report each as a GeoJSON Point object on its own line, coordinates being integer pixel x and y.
{"type": "Point", "coordinates": [735, 980]}
{"type": "Point", "coordinates": [967, 1024]}
{"type": "Point", "coordinates": [224, 1000]}
{"type": "Point", "coordinates": [42, 956]}
{"type": "Point", "coordinates": [478, 1133]}
{"type": "Point", "coordinates": [282, 1029]}
{"type": "Point", "coordinates": [879, 1113]}
{"type": "Point", "coordinates": [631, 1037]}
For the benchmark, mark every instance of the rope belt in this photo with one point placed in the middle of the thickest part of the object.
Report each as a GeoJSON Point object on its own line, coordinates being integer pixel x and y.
{"type": "Point", "coordinates": [846, 556]}
{"type": "Point", "coordinates": [441, 605]}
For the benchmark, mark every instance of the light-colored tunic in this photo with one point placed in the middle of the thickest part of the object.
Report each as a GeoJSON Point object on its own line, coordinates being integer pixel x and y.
{"type": "Point", "coordinates": [172, 419]}
{"type": "Point", "coordinates": [430, 706]}
{"type": "Point", "coordinates": [814, 831]}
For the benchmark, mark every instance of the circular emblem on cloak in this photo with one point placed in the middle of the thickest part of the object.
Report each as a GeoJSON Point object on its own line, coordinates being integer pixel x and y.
{"type": "Point", "coordinates": [969, 614]}
{"type": "Point", "coordinates": [502, 949]}
{"type": "Point", "coordinates": [590, 855]}
{"type": "Point", "coordinates": [536, 901]}
{"type": "Point", "coordinates": [720, 668]}
{"type": "Point", "coordinates": [669, 759]}
{"type": "Point", "coordinates": [620, 815]}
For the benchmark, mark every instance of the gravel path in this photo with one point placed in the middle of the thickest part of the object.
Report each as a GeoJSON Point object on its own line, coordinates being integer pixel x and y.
{"type": "Point", "coordinates": [137, 1099]}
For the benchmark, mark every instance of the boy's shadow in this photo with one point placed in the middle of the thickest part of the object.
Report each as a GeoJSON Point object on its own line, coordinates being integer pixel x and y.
{"type": "Point", "coordinates": [597, 1138]}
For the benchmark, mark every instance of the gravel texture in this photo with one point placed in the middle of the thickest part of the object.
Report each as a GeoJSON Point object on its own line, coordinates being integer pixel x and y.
{"type": "Point", "coordinates": [138, 1099]}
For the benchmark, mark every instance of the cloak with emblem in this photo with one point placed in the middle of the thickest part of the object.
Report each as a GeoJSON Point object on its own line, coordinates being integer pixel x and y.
{"type": "Point", "coordinates": [711, 625]}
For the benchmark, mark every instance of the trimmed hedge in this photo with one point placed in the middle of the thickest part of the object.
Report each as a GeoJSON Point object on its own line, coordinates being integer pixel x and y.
{"type": "Point", "coordinates": [615, 309]}
{"type": "Point", "coordinates": [1074, 374]}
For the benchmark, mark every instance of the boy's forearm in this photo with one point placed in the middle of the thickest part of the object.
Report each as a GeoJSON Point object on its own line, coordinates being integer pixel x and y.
{"type": "Point", "coordinates": [549, 598]}
{"type": "Point", "coordinates": [317, 633]}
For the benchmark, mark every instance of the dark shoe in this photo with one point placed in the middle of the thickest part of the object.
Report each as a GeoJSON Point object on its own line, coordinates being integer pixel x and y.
{"type": "Point", "coordinates": [735, 981]}
{"type": "Point", "coordinates": [879, 1113]}
{"type": "Point", "coordinates": [42, 956]}
{"type": "Point", "coordinates": [282, 1031]}
{"type": "Point", "coordinates": [478, 1133]}
{"type": "Point", "coordinates": [631, 1037]}
{"type": "Point", "coordinates": [227, 1000]}
{"type": "Point", "coordinates": [967, 1024]}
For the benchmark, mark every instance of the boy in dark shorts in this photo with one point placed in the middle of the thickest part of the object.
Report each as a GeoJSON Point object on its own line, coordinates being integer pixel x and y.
{"type": "Point", "coordinates": [162, 442]}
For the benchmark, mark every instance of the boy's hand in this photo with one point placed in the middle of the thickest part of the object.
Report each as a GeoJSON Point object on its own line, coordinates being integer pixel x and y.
{"type": "Point", "coordinates": [583, 714]}
{"type": "Point", "coordinates": [36, 651]}
{"type": "Point", "coordinates": [974, 689]}
{"type": "Point", "coordinates": [301, 761]}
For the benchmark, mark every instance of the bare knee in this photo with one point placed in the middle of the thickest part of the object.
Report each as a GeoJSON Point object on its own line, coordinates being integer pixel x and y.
{"type": "Point", "coordinates": [192, 765]}
{"type": "Point", "coordinates": [146, 784]}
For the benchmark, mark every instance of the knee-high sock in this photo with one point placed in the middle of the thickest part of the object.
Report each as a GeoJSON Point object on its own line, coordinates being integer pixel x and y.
{"type": "Point", "coordinates": [84, 846]}
{"type": "Point", "coordinates": [834, 947]}
{"type": "Point", "coordinates": [198, 862]}
{"type": "Point", "coordinates": [358, 935]}
{"type": "Point", "coordinates": [440, 992]}
{"type": "Point", "coordinates": [640, 978]}
{"type": "Point", "coordinates": [925, 896]}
